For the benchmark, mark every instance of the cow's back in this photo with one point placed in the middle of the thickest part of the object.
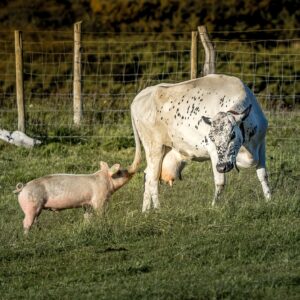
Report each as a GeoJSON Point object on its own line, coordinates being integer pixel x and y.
{"type": "Point", "coordinates": [214, 93]}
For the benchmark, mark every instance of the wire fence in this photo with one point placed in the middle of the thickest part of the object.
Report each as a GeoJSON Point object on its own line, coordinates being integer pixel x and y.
{"type": "Point", "coordinates": [115, 67]}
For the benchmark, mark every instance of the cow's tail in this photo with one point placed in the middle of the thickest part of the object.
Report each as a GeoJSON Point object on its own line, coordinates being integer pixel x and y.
{"type": "Point", "coordinates": [19, 188]}
{"type": "Point", "coordinates": [138, 150]}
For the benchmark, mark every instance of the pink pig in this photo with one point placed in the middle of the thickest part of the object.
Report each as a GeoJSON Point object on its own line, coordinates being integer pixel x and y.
{"type": "Point", "coordinates": [62, 191]}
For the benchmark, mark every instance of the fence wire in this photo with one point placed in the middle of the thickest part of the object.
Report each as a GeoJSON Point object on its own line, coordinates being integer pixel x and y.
{"type": "Point", "coordinates": [115, 67]}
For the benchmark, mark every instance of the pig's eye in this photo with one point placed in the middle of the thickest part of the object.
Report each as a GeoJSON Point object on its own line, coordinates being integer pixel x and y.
{"type": "Point", "coordinates": [232, 136]}
{"type": "Point", "coordinates": [118, 174]}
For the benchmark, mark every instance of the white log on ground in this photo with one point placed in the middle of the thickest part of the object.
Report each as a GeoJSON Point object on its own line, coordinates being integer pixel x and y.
{"type": "Point", "coordinates": [18, 138]}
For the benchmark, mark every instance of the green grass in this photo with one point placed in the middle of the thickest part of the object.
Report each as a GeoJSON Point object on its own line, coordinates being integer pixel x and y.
{"type": "Point", "coordinates": [244, 248]}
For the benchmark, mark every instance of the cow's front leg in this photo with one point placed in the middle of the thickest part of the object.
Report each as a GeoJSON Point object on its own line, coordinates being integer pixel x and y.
{"type": "Point", "coordinates": [150, 193]}
{"type": "Point", "coordinates": [263, 178]}
{"type": "Point", "coordinates": [219, 179]}
{"type": "Point", "coordinates": [262, 172]}
{"type": "Point", "coordinates": [154, 159]}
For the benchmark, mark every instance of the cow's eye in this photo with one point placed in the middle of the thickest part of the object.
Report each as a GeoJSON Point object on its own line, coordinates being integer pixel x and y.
{"type": "Point", "coordinates": [232, 136]}
{"type": "Point", "coordinates": [211, 137]}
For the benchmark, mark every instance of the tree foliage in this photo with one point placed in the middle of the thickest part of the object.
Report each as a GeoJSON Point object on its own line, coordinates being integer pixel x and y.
{"type": "Point", "coordinates": [152, 15]}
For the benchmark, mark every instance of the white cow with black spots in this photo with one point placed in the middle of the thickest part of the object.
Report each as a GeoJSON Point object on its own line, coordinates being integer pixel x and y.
{"type": "Point", "coordinates": [215, 117]}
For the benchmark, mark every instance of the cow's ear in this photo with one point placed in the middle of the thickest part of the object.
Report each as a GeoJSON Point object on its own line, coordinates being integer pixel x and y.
{"type": "Point", "coordinates": [207, 120]}
{"type": "Point", "coordinates": [114, 169]}
{"type": "Point", "coordinates": [240, 117]}
{"type": "Point", "coordinates": [246, 112]}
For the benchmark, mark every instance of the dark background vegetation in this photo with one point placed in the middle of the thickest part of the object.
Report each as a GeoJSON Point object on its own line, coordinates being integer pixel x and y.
{"type": "Point", "coordinates": [153, 15]}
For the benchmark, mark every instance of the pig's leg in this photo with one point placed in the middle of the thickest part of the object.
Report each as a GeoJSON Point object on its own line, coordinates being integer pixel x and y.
{"type": "Point", "coordinates": [87, 213]}
{"type": "Point", "coordinates": [38, 212]}
{"type": "Point", "coordinates": [99, 206]}
{"type": "Point", "coordinates": [30, 216]}
{"type": "Point", "coordinates": [31, 209]}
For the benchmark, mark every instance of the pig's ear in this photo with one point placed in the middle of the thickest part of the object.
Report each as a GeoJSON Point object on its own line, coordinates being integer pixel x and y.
{"type": "Point", "coordinates": [114, 169]}
{"type": "Point", "coordinates": [103, 166]}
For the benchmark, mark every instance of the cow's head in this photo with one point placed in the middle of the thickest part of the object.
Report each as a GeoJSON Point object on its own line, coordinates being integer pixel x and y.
{"type": "Point", "coordinates": [227, 136]}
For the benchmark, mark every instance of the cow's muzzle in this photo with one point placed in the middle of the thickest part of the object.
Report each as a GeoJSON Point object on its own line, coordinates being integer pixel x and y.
{"type": "Point", "coordinates": [225, 167]}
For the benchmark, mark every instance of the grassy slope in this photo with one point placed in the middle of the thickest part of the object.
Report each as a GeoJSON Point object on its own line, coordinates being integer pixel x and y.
{"type": "Point", "coordinates": [244, 248]}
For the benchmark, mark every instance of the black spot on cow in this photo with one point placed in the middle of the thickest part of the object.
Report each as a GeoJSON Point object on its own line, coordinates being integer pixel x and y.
{"type": "Point", "coordinates": [252, 132]}
{"type": "Point", "coordinates": [196, 126]}
{"type": "Point", "coordinates": [193, 107]}
{"type": "Point", "coordinates": [197, 109]}
{"type": "Point", "coordinates": [222, 101]}
{"type": "Point", "coordinates": [242, 128]}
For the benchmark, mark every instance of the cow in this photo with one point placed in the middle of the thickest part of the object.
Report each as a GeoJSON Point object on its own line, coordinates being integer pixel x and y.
{"type": "Point", "coordinates": [61, 191]}
{"type": "Point", "coordinates": [214, 117]}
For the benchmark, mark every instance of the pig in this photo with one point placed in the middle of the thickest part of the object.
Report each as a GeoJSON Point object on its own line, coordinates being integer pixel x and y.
{"type": "Point", "coordinates": [172, 166]}
{"type": "Point", "coordinates": [62, 191]}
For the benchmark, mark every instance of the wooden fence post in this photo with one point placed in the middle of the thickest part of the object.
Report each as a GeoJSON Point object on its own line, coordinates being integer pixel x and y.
{"type": "Point", "coordinates": [194, 55]}
{"type": "Point", "coordinates": [209, 65]}
{"type": "Point", "coordinates": [19, 80]}
{"type": "Point", "coordinates": [77, 98]}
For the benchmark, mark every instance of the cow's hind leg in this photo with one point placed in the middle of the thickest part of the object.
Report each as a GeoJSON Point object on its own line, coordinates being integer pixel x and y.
{"type": "Point", "coordinates": [154, 156]}
{"type": "Point", "coordinates": [262, 172]}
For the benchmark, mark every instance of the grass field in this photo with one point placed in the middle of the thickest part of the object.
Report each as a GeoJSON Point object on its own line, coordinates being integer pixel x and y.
{"type": "Point", "coordinates": [244, 248]}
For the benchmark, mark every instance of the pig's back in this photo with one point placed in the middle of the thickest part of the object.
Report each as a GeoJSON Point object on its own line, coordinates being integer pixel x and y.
{"type": "Point", "coordinates": [61, 191]}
